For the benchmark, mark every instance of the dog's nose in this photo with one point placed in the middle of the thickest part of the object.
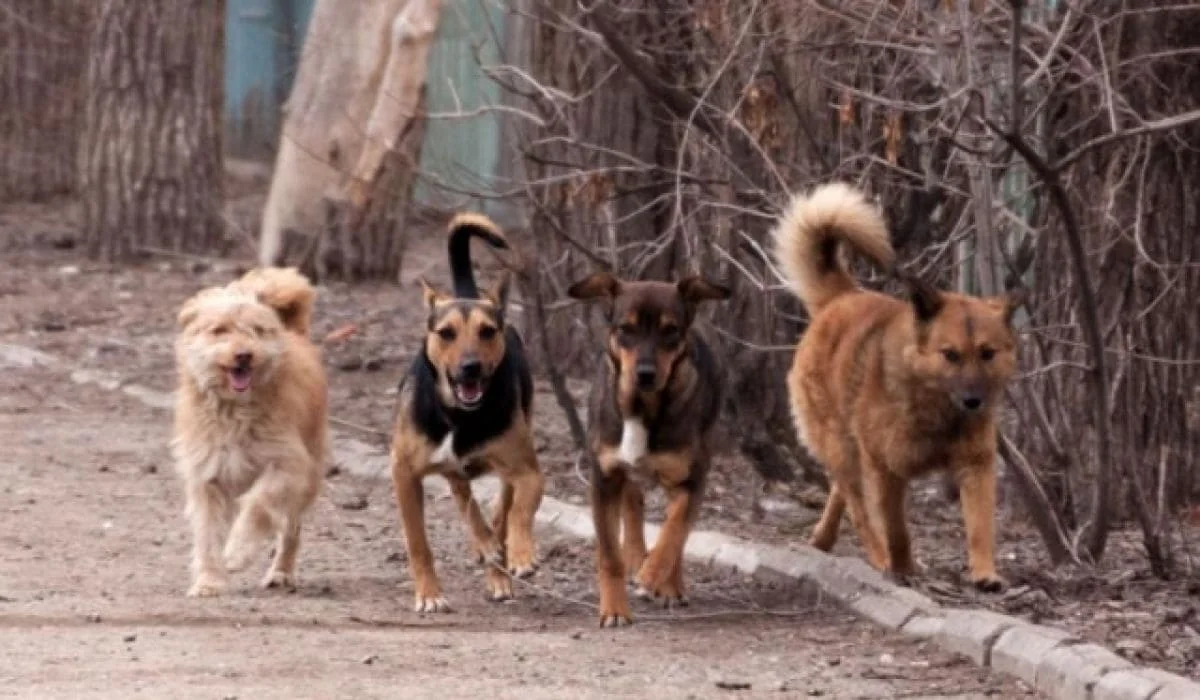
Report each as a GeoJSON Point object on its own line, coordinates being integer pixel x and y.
{"type": "Point", "coordinates": [470, 369]}
{"type": "Point", "coordinates": [243, 359]}
{"type": "Point", "coordinates": [971, 402]}
{"type": "Point", "coordinates": [646, 375]}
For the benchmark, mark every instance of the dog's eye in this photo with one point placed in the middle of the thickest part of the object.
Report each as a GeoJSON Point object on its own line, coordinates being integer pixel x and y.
{"type": "Point", "coordinates": [986, 354]}
{"type": "Point", "coordinates": [951, 356]}
{"type": "Point", "coordinates": [670, 332]}
{"type": "Point", "coordinates": [627, 329]}
{"type": "Point", "coordinates": [487, 333]}
{"type": "Point", "coordinates": [220, 330]}
{"type": "Point", "coordinates": [259, 330]}
{"type": "Point", "coordinates": [447, 334]}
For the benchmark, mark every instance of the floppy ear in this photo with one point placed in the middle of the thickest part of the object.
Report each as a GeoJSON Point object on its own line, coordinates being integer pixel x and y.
{"type": "Point", "coordinates": [598, 284]}
{"type": "Point", "coordinates": [695, 289]}
{"type": "Point", "coordinates": [188, 312]}
{"type": "Point", "coordinates": [1011, 301]}
{"type": "Point", "coordinates": [925, 298]}
{"type": "Point", "coordinates": [431, 295]}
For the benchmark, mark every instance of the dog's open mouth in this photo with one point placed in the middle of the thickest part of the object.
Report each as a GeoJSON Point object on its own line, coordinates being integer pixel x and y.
{"type": "Point", "coordinates": [240, 378]}
{"type": "Point", "coordinates": [469, 392]}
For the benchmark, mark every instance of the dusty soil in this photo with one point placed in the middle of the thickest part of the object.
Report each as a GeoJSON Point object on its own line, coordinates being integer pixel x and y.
{"type": "Point", "coordinates": [122, 320]}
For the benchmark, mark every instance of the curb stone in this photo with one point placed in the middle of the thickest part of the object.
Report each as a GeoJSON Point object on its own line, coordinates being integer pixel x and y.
{"type": "Point", "coordinates": [1046, 658]}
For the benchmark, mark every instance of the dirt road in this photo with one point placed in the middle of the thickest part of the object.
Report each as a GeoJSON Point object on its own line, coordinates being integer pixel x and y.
{"type": "Point", "coordinates": [93, 565]}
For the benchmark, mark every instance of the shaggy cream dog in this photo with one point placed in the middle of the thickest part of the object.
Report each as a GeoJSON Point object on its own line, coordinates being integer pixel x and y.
{"type": "Point", "coordinates": [250, 423]}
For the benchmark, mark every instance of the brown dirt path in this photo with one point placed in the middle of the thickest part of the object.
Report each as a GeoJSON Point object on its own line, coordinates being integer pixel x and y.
{"type": "Point", "coordinates": [93, 554]}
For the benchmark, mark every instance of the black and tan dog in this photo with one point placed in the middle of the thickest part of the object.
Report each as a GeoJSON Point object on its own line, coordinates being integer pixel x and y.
{"type": "Point", "coordinates": [465, 411]}
{"type": "Point", "coordinates": [651, 412]}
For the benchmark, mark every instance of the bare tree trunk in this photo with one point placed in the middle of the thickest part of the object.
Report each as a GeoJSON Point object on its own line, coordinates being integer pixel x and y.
{"type": "Point", "coordinates": [348, 154]}
{"type": "Point", "coordinates": [150, 161]}
{"type": "Point", "coordinates": [41, 67]}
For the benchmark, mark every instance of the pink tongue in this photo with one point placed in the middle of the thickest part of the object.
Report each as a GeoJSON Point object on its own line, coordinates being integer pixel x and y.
{"type": "Point", "coordinates": [469, 392]}
{"type": "Point", "coordinates": [239, 380]}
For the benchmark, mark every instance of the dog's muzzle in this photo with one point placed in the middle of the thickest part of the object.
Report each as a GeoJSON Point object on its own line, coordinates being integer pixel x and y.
{"type": "Point", "coordinates": [241, 375]}
{"type": "Point", "coordinates": [469, 384]}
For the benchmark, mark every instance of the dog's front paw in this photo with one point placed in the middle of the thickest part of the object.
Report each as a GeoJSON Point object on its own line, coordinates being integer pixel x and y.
{"type": "Point", "coordinates": [206, 586]}
{"type": "Point", "coordinates": [279, 579]}
{"type": "Point", "coordinates": [500, 586]}
{"type": "Point", "coordinates": [489, 553]}
{"type": "Point", "coordinates": [615, 616]}
{"type": "Point", "coordinates": [988, 583]}
{"type": "Point", "coordinates": [522, 563]}
{"type": "Point", "coordinates": [430, 604]}
{"type": "Point", "coordinates": [666, 594]}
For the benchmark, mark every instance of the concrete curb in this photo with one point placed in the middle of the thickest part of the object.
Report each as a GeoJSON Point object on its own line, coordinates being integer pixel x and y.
{"type": "Point", "coordinates": [1046, 658]}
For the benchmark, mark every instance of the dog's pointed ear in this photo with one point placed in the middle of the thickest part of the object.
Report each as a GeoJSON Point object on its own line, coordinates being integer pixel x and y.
{"type": "Point", "coordinates": [695, 289]}
{"type": "Point", "coordinates": [430, 294]}
{"type": "Point", "coordinates": [595, 285]}
{"type": "Point", "coordinates": [926, 299]}
{"type": "Point", "coordinates": [498, 294]}
{"type": "Point", "coordinates": [1011, 301]}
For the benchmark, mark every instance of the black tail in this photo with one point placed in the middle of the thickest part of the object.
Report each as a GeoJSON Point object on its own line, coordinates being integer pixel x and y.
{"type": "Point", "coordinates": [463, 227]}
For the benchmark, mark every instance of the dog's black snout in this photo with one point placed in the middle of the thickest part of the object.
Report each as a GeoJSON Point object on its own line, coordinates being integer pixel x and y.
{"type": "Point", "coordinates": [243, 359]}
{"type": "Point", "coordinates": [972, 403]}
{"type": "Point", "coordinates": [470, 369]}
{"type": "Point", "coordinates": [646, 374]}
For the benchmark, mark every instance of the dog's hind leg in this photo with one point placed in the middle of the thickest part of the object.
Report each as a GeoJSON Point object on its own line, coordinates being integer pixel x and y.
{"type": "Point", "coordinates": [208, 511]}
{"type": "Point", "coordinates": [825, 532]}
{"type": "Point", "coordinates": [500, 510]}
{"type": "Point", "coordinates": [483, 541]}
{"type": "Point", "coordinates": [633, 537]}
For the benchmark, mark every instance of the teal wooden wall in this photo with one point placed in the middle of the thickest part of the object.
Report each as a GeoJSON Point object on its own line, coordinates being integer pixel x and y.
{"type": "Point", "coordinates": [262, 47]}
{"type": "Point", "coordinates": [461, 154]}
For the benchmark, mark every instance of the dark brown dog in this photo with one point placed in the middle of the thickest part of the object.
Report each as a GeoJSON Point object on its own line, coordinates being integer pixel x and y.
{"type": "Point", "coordinates": [885, 390]}
{"type": "Point", "coordinates": [652, 409]}
{"type": "Point", "coordinates": [465, 410]}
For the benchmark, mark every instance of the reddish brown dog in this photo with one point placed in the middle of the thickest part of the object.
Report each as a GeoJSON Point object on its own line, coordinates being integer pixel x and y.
{"type": "Point", "coordinates": [884, 390]}
{"type": "Point", "coordinates": [651, 412]}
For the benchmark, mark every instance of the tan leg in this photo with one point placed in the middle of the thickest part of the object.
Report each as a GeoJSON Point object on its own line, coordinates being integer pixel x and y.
{"type": "Point", "coordinates": [282, 573]}
{"type": "Point", "coordinates": [977, 489]}
{"type": "Point", "coordinates": [272, 507]}
{"type": "Point", "coordinates": [410, 500]}
{"type": "Point", "coordinates": [659, 574]}
{"type": "Point", "coordinates": [503, 506]}
{"type": "Point", "coordinates": [520, 548]}
{"type": "Point", "coordinates": [208, 511]}
{"type": "Point", "coordinates": [887, 493]}
{"type": "Point", "coordinates": [860, 518]}
{"type": "Point", "coordinates": [633, 537]}
{"type": "Point", "coordinates": [610, 572]}
{"type": "Point", "coordinates": [825, 532]}
{"type": "Point", "coordinates": [484, 544]}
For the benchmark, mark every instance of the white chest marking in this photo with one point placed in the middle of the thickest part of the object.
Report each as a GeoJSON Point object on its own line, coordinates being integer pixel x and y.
{"type": "Point", "coordinates": [444, 454]}
{"type": "Point", "coordinates": [634, 440]}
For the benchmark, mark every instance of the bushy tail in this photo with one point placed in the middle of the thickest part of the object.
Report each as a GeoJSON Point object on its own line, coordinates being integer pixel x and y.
{"type": "Point", "coordinates": [285, 290]}
{"type": "Point", "coordinates": [464, 227]}
{"type": "Point", "coordinates": [812, 230]}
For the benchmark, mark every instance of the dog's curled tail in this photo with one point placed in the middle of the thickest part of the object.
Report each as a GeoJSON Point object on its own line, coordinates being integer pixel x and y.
{"type": "Point", "coordinates": [812, 230]}
{"type": "Point", "coordinates": [464, 227]}
{"type": "Point", "coordinates": [285, 290]}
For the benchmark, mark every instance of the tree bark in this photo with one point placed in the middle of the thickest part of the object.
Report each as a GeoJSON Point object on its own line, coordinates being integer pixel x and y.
{"type": "Point", "coordinates": [351, 139]}
{"type": "Point", "coordinates": [150, 161]}
{"type": "Point", "coordinates": [41, 84]}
